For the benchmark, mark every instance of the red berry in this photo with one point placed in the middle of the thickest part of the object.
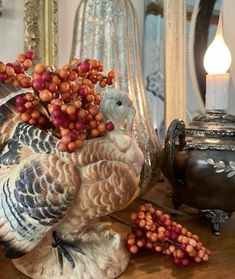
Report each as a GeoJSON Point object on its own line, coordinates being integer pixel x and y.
{"type": "Point", "coordinates": [21, 108]}
{"type": "Point", "coordinates": [79, 125]}
{"type": "Point", "coordinates": [109, 81]}
{"type": "Point", "coordinates": [57, 113]}
{"type": "Point", "coordinates": [3, 76]}
{"type": "Point", "coordinates": [38, 84]}
{"type": "Point", "coordinates": [46, 77]}
{"type": "Point", "coordinates": [83, 91]}
{"type": "Point", "coordinates": [84, 67]}
{"type": "Point", "coordinates": [185, 261]}
{"type": "Point", "coordinates": [18, 69]}
{"type": "Point", "coordinates": [72, 135]}
{"type": "Point", "coordinates": [29, 55]}
{"type": "Point", "coordinates": [109, 126]}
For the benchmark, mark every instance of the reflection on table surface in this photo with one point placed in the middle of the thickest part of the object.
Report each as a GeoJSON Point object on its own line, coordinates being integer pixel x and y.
{"type": "Point", "coordinates": [147, 265]}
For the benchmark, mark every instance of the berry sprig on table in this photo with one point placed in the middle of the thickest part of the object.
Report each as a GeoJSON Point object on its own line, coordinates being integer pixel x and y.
{"type": "Point", "coordinates": [155, 231]}
{"type": "Point", "coordinates": [64, 101]}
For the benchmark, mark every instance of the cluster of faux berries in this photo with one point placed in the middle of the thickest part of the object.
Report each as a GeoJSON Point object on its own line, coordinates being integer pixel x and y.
{"type": "Point", "coordinates": [155, 230]}
{"type": "Point", "coordinates": [64, 101]}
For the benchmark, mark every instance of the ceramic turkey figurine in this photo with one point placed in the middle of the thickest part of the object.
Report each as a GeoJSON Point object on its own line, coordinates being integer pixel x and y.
{"type": "Point", "coordinates": [51, 202]}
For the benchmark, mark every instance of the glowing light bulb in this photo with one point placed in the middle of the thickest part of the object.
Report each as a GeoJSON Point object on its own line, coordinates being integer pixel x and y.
{"type": "Point", "coordinates": [217, 59]}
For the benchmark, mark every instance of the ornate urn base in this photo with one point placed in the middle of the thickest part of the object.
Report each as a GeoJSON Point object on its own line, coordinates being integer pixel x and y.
{"type": "Point", "coordinates": [104, 255]}
{"type": "Point", "coordinates": [200, 164]}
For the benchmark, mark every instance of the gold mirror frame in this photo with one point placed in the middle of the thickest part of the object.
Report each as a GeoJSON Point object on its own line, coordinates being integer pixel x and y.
{"type": "Point", "coordinates": [41, 30]}
{"type": "Point", "coordinates": [175, 60]}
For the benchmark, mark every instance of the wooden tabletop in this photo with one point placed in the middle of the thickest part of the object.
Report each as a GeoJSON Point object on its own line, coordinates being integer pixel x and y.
{"type": "Point", "coordinates": [147, 265]}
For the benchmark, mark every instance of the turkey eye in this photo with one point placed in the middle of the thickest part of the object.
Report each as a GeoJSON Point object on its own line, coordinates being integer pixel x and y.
{"type": "Point", "coordinates": [119, 103]}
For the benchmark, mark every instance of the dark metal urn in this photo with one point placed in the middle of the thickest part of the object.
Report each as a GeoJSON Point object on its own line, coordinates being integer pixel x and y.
{"type": "Point", "coordinates": [200, 164]}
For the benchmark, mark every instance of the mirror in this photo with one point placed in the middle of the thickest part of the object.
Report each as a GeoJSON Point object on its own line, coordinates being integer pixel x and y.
{"type": "Point", "coordinates": [29, 25]}
{"type": "Point", "coordinates": [200, 26]}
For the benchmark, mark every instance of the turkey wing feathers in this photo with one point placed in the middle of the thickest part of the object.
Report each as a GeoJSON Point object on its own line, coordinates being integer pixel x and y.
{"type": "Point", "coordinates": [33, 200]}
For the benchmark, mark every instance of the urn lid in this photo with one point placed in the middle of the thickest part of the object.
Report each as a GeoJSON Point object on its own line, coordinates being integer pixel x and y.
{"type": "Point", "coordinates": [213, 120]}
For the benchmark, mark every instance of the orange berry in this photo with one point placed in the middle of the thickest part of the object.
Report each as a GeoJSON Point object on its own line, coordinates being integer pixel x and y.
{"type": "Point", "coordinates": [62, 147]}
{"type": "Point", "coordinates": [99, 116]}
{"type": "Point", "coordinates": [99, 77]}
{"type": "Point", "coordinates": [75, 88]}
{"type": "Point", "coordinates": [74, 61]}
{"type": "Point", "coordinates": [25, 82]}
{"type": "Point", "coordinates": [10, 71]}
{"type": "Point", "coordinates": [16, 83]}
{"type": "Point", "coordinates": [32, 121]}
{"type": "Point", "coordinates": [78, 103]}
{"type": "Point", "coordinates": [97, 97]}
{"type": "Point", "coordinates": [57, 102]}
{"type": "Point", "coordinates": [90, 98]}
{"type": "Point", "coordinates": [39, 68]}
{"type": "Point", "coordinates": [131, 241]}
{"type": "Point", "coordinates": [71, 109]}
{"type": "Point", "coordinates": [55, 79]}
{"type": "Point", "coordinates": [36, 76]}
{"type": "Point", "coordinates": [94, 133]}
{"type": "Point", "coordinates": [133, 249]}
{"type": "Point", "coordinates": [29, 96]}
{"type": "Point", "coordinates": [66, 140]}
{"type": "Point", "coordinates": [179, 254]}
{"type": "Point", "coordinates": [20, 58]}
{"type": "Point", "coordinates": [134, 216]}
{"type": "Point", "coordinates": [64, 132]}
{"type": "Point", "coordinates": [27, 63]}
{"type": "Point", "coordinates": [94, 63]}
{"type": "Point", "coordinates": [82, 113]}
{"type": "Point", "coordinates": [25, 117]}
{"type": "Point", "coordinates": [72, 146]}
{"type": "Point", "coordinates": [101, 128]}
{"type": "Point", "coordinates": [73, 75]}
{"type": "Point", "coordinates": [197, 259]}
{"type": "Point", "coordinates": [64, 73]}
{"type": "Point", "coordinates": [2, 68]}
{"type": "Point", "coordinates": [35, 114]}
{"type": "Point", "coordinates": [64, 108]}
{"type": "Point", "coordinates": [111, 74]}
{"type": "Point", "coordinates": [64, 86]}
{"type": "Point", "coordinates": [45, 95]}
{"type": "Point", "coordinates": [71, 126]}
{"type": "Point", "coordinates": [93, 110]}
{"type": "Point", "coordinates": [42, 120]}
{"type": "Point", "coordinates": [28, 105]}
{"type": "Point", "coordinates": [82, 136]}
{"type": "Point", "coordinates": [102, 83]}
{"type": "Point", "coordinates": [66, 66]}
{"type": "Point", "coordinates": [20, 76]}
{"type": "Point", "coordinates": [94, 72]}
{"type": "Point", "coordinates": [92, 124]}
{"type": "Point", "coordinates": [66, 96]}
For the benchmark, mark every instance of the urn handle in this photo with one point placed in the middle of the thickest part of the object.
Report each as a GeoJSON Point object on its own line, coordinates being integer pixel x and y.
{"type": "Point", "coordinates": [175, 135]}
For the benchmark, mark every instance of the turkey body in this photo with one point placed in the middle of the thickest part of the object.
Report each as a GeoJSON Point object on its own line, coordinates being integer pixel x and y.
{"type": "Point", "coordinates": [43, 190]}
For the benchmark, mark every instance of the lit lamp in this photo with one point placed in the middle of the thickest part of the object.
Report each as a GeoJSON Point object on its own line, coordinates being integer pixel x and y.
{"type": "Point", "coordinates": [217, 61]}
{"type": "Point", "coordinates": [199, 159]}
